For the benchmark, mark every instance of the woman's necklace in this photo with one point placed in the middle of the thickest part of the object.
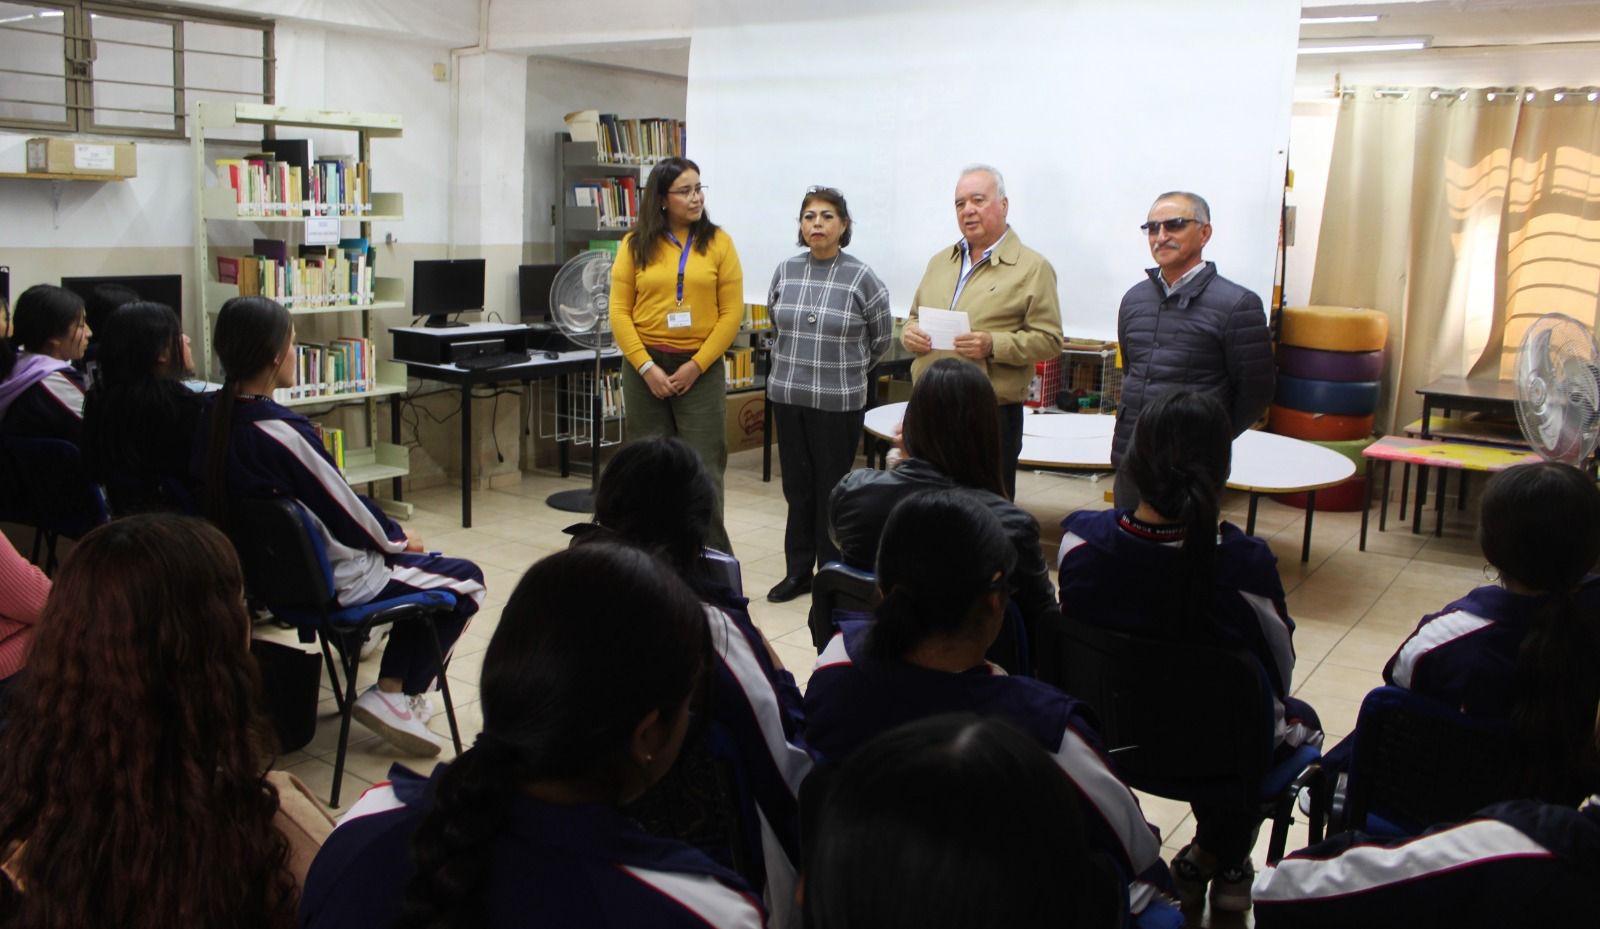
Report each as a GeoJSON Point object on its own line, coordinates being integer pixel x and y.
{"type": "Point", "coordinates": [806, 304]}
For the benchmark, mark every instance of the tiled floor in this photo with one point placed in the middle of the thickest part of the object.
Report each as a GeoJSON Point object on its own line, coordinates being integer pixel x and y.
{"type": "Point", "coordinates": [1351, 608]}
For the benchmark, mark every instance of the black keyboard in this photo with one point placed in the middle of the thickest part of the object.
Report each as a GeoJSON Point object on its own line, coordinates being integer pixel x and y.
{"type": "Point", "coordinates": [496, 360]}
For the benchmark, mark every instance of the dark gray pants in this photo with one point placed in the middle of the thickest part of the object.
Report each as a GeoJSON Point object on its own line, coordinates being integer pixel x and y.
{"type": "Point", "coordinates": [815, 449]}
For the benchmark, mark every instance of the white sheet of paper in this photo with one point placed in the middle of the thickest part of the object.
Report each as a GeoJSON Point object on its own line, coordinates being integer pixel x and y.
{"type": "Point", "coordinates": [942, 326]}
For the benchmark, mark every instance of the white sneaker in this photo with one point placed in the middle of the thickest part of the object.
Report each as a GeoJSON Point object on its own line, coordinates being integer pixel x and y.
{"type": "Point", "coordinates": [421, 707]}
{"type": "Point", "coordinates": [392, 716]}
{"type": "Point", "coordinates": [373, 642]}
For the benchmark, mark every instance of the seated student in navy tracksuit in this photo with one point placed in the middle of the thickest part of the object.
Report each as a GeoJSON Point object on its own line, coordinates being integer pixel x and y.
{"type": "Point", "coordinates": [1519, 863]}
{"type": "Point", "coordinates": [139, 420]}
{"type": "Point", "coordinates": [943, 568]}
{"type": "Point", "coordinates": [585, 692]}
{"type": "Point", "coordinates": [1168, 570]}
{"type": "Point", "coordinates": [1528, 648]}
{"type": "Point", "coordinates": [956, 820]}
{"type": "Point", "coordinates": [656, 495]}
{"type": "Point", "coordinates": [41, 394]}
{"type": "Point", "coordinates": [250, 447]}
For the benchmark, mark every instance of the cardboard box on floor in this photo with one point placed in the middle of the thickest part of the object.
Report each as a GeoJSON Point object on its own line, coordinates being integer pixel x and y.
{"type": "Point", "coordinates": [747, 412]}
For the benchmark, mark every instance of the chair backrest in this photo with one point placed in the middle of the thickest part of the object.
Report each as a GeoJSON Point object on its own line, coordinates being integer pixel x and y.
{"type": "Point", "coordinates": [285, 564]}
{"type": "Point", "coordinates": [1177, 717]}
{"type": "Point", "coordinates": [1419, 762]}
{"type": "Point", "coordinates": [52, 489]}
{"type": "Point", "coordinates": [837, 586]}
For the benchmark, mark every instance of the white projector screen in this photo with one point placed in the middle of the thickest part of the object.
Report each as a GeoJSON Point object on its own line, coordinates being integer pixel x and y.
{"type": "Point", "coordinates": [1089, 108]}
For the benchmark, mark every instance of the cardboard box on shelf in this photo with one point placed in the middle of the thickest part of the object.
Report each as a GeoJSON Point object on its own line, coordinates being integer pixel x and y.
{"type": "Point", "coordinates": [75, 156]}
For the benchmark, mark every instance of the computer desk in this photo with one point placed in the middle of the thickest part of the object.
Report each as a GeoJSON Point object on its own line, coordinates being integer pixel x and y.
{"type": "Point", "coordinates": [537, 368]}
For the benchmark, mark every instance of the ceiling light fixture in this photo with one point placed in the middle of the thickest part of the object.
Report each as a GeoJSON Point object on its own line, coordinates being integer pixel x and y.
{"type": "Point", "coordinates": [1337, 20]}
{"type": "Point", "coordinates": [1361, 44]}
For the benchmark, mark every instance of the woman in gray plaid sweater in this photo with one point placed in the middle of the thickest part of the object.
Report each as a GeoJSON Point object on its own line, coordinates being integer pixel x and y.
{"type": "Point", "coordinates": [830, 314]}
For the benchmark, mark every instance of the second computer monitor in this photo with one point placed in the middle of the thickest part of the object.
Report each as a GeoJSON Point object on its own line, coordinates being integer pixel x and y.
{"type": "Point", "coordinates": [533, 289]}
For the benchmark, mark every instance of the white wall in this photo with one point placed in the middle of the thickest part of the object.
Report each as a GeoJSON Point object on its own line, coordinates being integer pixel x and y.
{"type": "Point", "coordinates": [316, 68]}
{"type": "Point", "coordinates": [450, 23]}
{"type": "Point", "coordinates": [1316, 112]}
{"type": "Point", "coordinates": [556, 88]}
{"type": "Point", "coordinates": [1091, 109]}
{"type": "Point", "coordinates": [545, 25]}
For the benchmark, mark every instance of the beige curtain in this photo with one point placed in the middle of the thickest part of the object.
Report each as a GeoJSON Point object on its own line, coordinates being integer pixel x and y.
{"type": "Point", "coordinates": [1460, 217]}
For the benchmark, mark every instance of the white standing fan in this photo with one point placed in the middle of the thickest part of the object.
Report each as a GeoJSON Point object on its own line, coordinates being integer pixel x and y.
{"type": "Point", "coordinates": [580, 305]}
{"type": "Point", "coordinates": [1558, 391]}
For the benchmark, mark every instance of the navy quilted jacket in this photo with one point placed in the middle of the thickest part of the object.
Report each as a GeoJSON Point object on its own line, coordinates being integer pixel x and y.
{"type": "Point", "coordinates": [1210, 335]}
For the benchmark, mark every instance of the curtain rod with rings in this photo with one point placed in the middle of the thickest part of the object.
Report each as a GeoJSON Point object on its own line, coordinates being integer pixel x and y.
{"type": "Point", "coordinates": [1490, 94]}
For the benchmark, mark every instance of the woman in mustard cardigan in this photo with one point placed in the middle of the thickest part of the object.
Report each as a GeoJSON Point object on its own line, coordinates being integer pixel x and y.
{"type": "Point", "coordinates": [677, 300]}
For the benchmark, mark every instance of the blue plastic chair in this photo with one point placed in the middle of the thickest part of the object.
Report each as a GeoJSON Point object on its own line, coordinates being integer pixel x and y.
{"type": "Point", "coordinates": [286, 567]}
{"type": "Point", "coordinates": [1185, 721]}
{"type": "Point", "coordinates": [1418, 762]}
{"type": "Point", "coordinates": [49, 489]}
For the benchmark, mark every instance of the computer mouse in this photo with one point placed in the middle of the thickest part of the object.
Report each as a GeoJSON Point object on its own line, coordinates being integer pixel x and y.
{"type": "Point", "coordinates": [552, 355]}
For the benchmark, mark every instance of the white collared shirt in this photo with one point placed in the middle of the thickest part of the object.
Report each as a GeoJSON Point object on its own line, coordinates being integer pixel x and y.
{"type": "Point", "coordinates": [1187, 275]}
{"type": "Point", "coordinates": [967, 264]}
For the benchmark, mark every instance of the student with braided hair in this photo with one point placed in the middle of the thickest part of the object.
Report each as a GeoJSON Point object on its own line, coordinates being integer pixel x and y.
{"type": "Point", "coordinates": [585, 693]}
{"type": "Point", "coordinates": [943, 568]}
{"type": "Point", "coordinates": [1168, 569]}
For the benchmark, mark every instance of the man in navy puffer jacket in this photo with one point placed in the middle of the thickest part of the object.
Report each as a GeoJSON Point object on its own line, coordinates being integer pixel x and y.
{"type": "Point", "coordinates": [1187, 326]}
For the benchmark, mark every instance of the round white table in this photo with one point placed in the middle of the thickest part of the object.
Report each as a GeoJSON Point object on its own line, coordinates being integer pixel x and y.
{"type": "Point", "coordinates": [1264, 463]}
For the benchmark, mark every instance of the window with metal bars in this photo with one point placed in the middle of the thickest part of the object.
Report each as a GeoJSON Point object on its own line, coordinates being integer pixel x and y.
{"type": "Point", "coordinates": [124, 68]}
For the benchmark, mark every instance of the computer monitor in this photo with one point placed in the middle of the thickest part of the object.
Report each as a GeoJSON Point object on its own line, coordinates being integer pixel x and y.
{"type": "Point", "coordinates": [445, 286]}
{"type": "Point", "coordinates": [154, 288]}
{"type": "Point", "coordinates": [533, 289]}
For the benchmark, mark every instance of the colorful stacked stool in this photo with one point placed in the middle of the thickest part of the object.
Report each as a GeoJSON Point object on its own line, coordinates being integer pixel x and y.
{"type": "Point", "coordinates": [1330, 370]}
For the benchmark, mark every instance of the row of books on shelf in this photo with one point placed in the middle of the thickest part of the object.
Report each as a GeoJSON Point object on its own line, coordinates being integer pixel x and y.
{"type": "Point", "coordinates": [289, 182]}
{"type": "Point", "coordinates": [332, 442]}
{"type": "Point", "coordinates": [318, 276]}
{"type": "Point", "coordinates": [740, 366]}
{"type": "Point", "coordinates": [342, 366]}
{"type": "Point", "coordinates": [628, 141]}
{"type": "Point", "coordinates": [755, 317]}
{"type": "Point", "coordinates": [615, 200]}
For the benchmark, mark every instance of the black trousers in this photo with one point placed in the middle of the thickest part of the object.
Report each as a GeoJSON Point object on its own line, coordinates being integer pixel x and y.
{"type": "Point", "coordinates": [1010, 444]}
{"type": "Point", "coordinates": [815, 449]}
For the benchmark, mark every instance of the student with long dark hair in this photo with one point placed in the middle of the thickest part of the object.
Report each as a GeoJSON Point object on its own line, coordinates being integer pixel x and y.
{"type": "Point", "coordinates": [251, 447]}
{"type": "Point", "coordinates": [951, 434]}
{"type": "Point", "coordinates": [585, 695]}
{"type": "Point", "coordinates": [942, 569]}
{"type": "Point", "coordinates": [1172, 569]}
{"type": "Point", "coordinates": [133, 791]}
{"type": "Point", "coordinates": [656, 495]}
{"type": "Point", "coordinates": [41, 394]}
{"type": "Point", "coordinates": [951, 822]}
{"type": "Point", "coordinates": [677, 300]}
{"type": "Point", "coordinates": [1525, 649]}
{"type": "Point", "coordinates": [139, 420]}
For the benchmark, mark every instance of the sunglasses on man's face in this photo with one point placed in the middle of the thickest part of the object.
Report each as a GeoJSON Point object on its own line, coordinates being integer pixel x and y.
{"type": "Point", "coordinates": [1171, 225]}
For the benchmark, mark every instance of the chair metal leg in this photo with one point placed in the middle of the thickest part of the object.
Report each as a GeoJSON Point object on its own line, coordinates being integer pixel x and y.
{"type": "Point", "coordinates": [1405, 487]}
{"type": "Point", "coordinates": [344, 720]}
{"type": "Point", "coordinates": [333, 673]}
{"type": "Point", "coordinates": [1416, 513]}
{"type": "Point", "coordinates": [1366, 510]}
{"type": "Point", "coordinates": [1383, 505]}
{"type": "Point", "coordinates": [444, 685]}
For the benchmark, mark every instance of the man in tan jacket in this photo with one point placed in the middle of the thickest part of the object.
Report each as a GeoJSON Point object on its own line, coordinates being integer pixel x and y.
{"type": "Point", "coordinates": [1008, 291]}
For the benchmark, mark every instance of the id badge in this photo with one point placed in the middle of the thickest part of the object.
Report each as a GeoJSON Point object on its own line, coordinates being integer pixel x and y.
{"type": "Point", "coordinates": [679, 320]}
